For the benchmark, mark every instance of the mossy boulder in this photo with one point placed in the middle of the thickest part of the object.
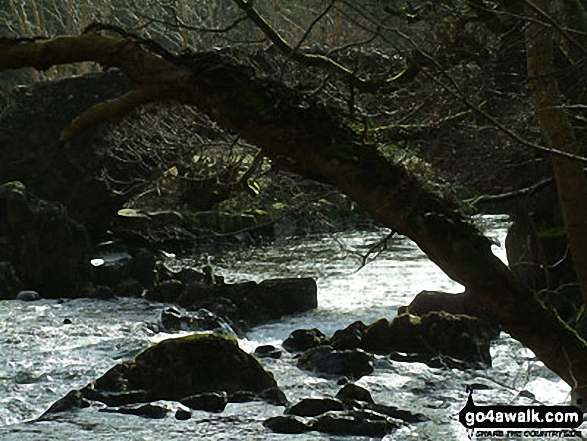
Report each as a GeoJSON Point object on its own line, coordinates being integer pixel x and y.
{"type": "Point", "coordinates": [434, 334]}
{"type": "Point", "coordinates": [182, 367]}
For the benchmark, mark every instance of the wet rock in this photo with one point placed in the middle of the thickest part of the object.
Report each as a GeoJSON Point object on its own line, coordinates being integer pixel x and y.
{"type": "Point", "coordinates": [303, 339]}
{"type": "Point", "coordinates": [72, 401]}
{"type": "Point", "coordinates": [28, 296]}
{"type": "Point", "coordinates": [128, 288]}
{"type": "Point", "coordinates": [177, 368]}
{"type": "Point", "coordinates": [267, 351]}
{"type": "Point", "coordinates": [279, 297]}
{"type": "Point", "coordinates": [311, 407]}
{"type": "Point", "coordinates": [352, 426]}
{"type": "Point", "coordinates": [461, 337]}
{"type": "Point", "coordinates": [112, 263]}
{"type": "Point", "coordinates": [353, 363]}
{"type": "Point", "coordinates": [116, 398]}
{"type": "Point", "coordinates": [168, 291]}
{"type": "Point", "coordinates": [273, 395]}
{"type": "Point", "coordinates": [286, 424]}
{"type": "Point", "coordinates": [374, 338]}
{"type": "Point", "coordinates": [182, 414]}
{"type": "Point", "coordinates": [256, 302]}
{"type": "Point", "coordinates": [151, 411]}
{"type": "Point", "coordinates": [355, 393]}
{"type": "Point", "coordinates": [48, 250]}
{"type": "Point", "coordinates": [456, 304]}
{"type": "Point", "coordinates": [396, 413]}
{"type": "Point", "coordinates": [176, 319]}
{"type": "Point", "coordinates": [434, 301]}
{"type": "Point", "coordinates": [435, 338]}
{"type": "Point", "coordinates": [209, 402]}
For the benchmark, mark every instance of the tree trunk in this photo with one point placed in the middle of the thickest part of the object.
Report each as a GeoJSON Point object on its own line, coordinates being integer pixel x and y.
{"type": "Point", "coordinates": [570, 177]}
{"type": "Point", "coordinates": [312, 139]}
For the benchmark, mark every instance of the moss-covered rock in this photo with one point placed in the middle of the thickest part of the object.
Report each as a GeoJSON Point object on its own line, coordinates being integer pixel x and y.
{"type": "Point", "coordinates": [182, 367]}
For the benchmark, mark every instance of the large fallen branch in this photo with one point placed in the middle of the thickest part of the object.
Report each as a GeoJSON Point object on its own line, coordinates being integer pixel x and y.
{"type": "Point", "coordinates": [312, 139]}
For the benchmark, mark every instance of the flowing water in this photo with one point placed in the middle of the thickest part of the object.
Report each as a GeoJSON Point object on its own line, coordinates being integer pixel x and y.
{"type": "Point", "coordinates": [43, 356]}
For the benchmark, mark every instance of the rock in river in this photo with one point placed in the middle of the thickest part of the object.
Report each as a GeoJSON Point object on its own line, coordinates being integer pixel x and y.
{"type": "Point", "coordinates": [180, 368]}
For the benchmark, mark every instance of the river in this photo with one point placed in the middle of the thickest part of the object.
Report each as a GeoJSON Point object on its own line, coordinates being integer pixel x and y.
{"type": "Point", "coordinates": [44, 356]}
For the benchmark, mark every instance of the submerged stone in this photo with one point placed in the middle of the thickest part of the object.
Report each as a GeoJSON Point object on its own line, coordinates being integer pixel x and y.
{"type": "Point", "coordinates": [209, 402]}
{"type": "Point", "coordinates": [326, 360]}
{"type": "Point", "coordinates": [310, 407]}
{"type": "Point", "coordinates": [304, 339]}
{"type": "Point", "coordinates": [286, 424]}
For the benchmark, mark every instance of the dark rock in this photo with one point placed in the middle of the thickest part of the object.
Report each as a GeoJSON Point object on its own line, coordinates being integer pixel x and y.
{"type": "Point", "coordinates": [311, 407]}
{"type": "Point", "coordinates": [101, 292]}
{"type": "Point", "coordinates": [350, 337]}
{"type": "Point", "coordinates": [72, 401]}
{"type": "Point", "coordinates": [354, 392]}
{"type": "Point", "coordinates": [182, 414]}
{"type": "Point", "coordinates": [303, 339]}
{"type": "Point", "coordinates": [196, 293]}
{"type": "Point", "coordinates": [48, 250]}
{"type": "Point", "coordinates": [439, 333]}
{"type": "Point", "coordinates": [116, 398]}
{"type": "Point", "coordinates": [209, 402]}
{"type": "Point", "coordinates": [67, 321]}
{"type": "Point", "coordinates": [353, 363]}
{"type": "Point", "coordinates": [286, 424]}
{"type": "Point", "coordinates": [351, 426]}
{"type": "Point", "coordinates": [168, 291]}
{"type": "Point", "coordinates": [456, 304]}
{"type": "Point", "coordinates": [177, 368]}
{"type": "Point", "coordinates": [112, 263]}
{"type": "Point", "coordinates": [267, 351]}
{"type": "Point", "coordinates": [434, 301]}
{"type": "Point", "coordinates": [28, 296]}
{"type": "Point", "coordinates": [151, 411]}
{"type": "Point", "coordinates": [143, 267]}
{"type": "Point", "coordinates": [287, 296]}
{"type": "Point", "coordinates": [128, 288]}
{"type": "Point", "coordinates": [396, 413]}
{"type": "Point", "coordinates": [273, 395]}
{"type": "Point", "coordinates": [176, 319]}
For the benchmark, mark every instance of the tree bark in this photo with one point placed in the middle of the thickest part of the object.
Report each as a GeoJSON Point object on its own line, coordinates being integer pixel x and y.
{"type": "Point", "coordinates": [312, 139]}
{"type": "Point", "coordinates": [569, 174]}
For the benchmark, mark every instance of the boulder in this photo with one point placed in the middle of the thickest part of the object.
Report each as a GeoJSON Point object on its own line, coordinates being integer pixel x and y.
{"type": "Point", "coordinates": [209, 402]}
{"type": "Point", "coordinates": [353, 425]}
{"type": "Point", "coordinates": [176, 319]}
{"type": "Point", "coordinates": [303, 339]}
{"type": "Point", "coordinates": [287, 424]}
{"type": "Point", "coordinates": [436, 338]}
{"type": "Point", "coordinates": [200, 371]}
{"type": "Point", "coordinates": [353, 392]}
{"type": "Point", "coordinates": [439, 333]}
{"type": "Point", "coordinates": [151, 411]}
{"type": "Point", "coordinates": [433, 301]}
{"type": "Point", "coordinates": [311, 407]}
{"type": "Point", "coordinates": [28, 296]}
{"type": "Point", "coordinates": [353, 363]}
{"type": "Point", "coordinates": [267, 351]}
{"type": "Point", "coordinates": [256, 302]}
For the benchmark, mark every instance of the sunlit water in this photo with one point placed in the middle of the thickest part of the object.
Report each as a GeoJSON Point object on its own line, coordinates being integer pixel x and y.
{"type": "Point", "coordinates": [42, 358]}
